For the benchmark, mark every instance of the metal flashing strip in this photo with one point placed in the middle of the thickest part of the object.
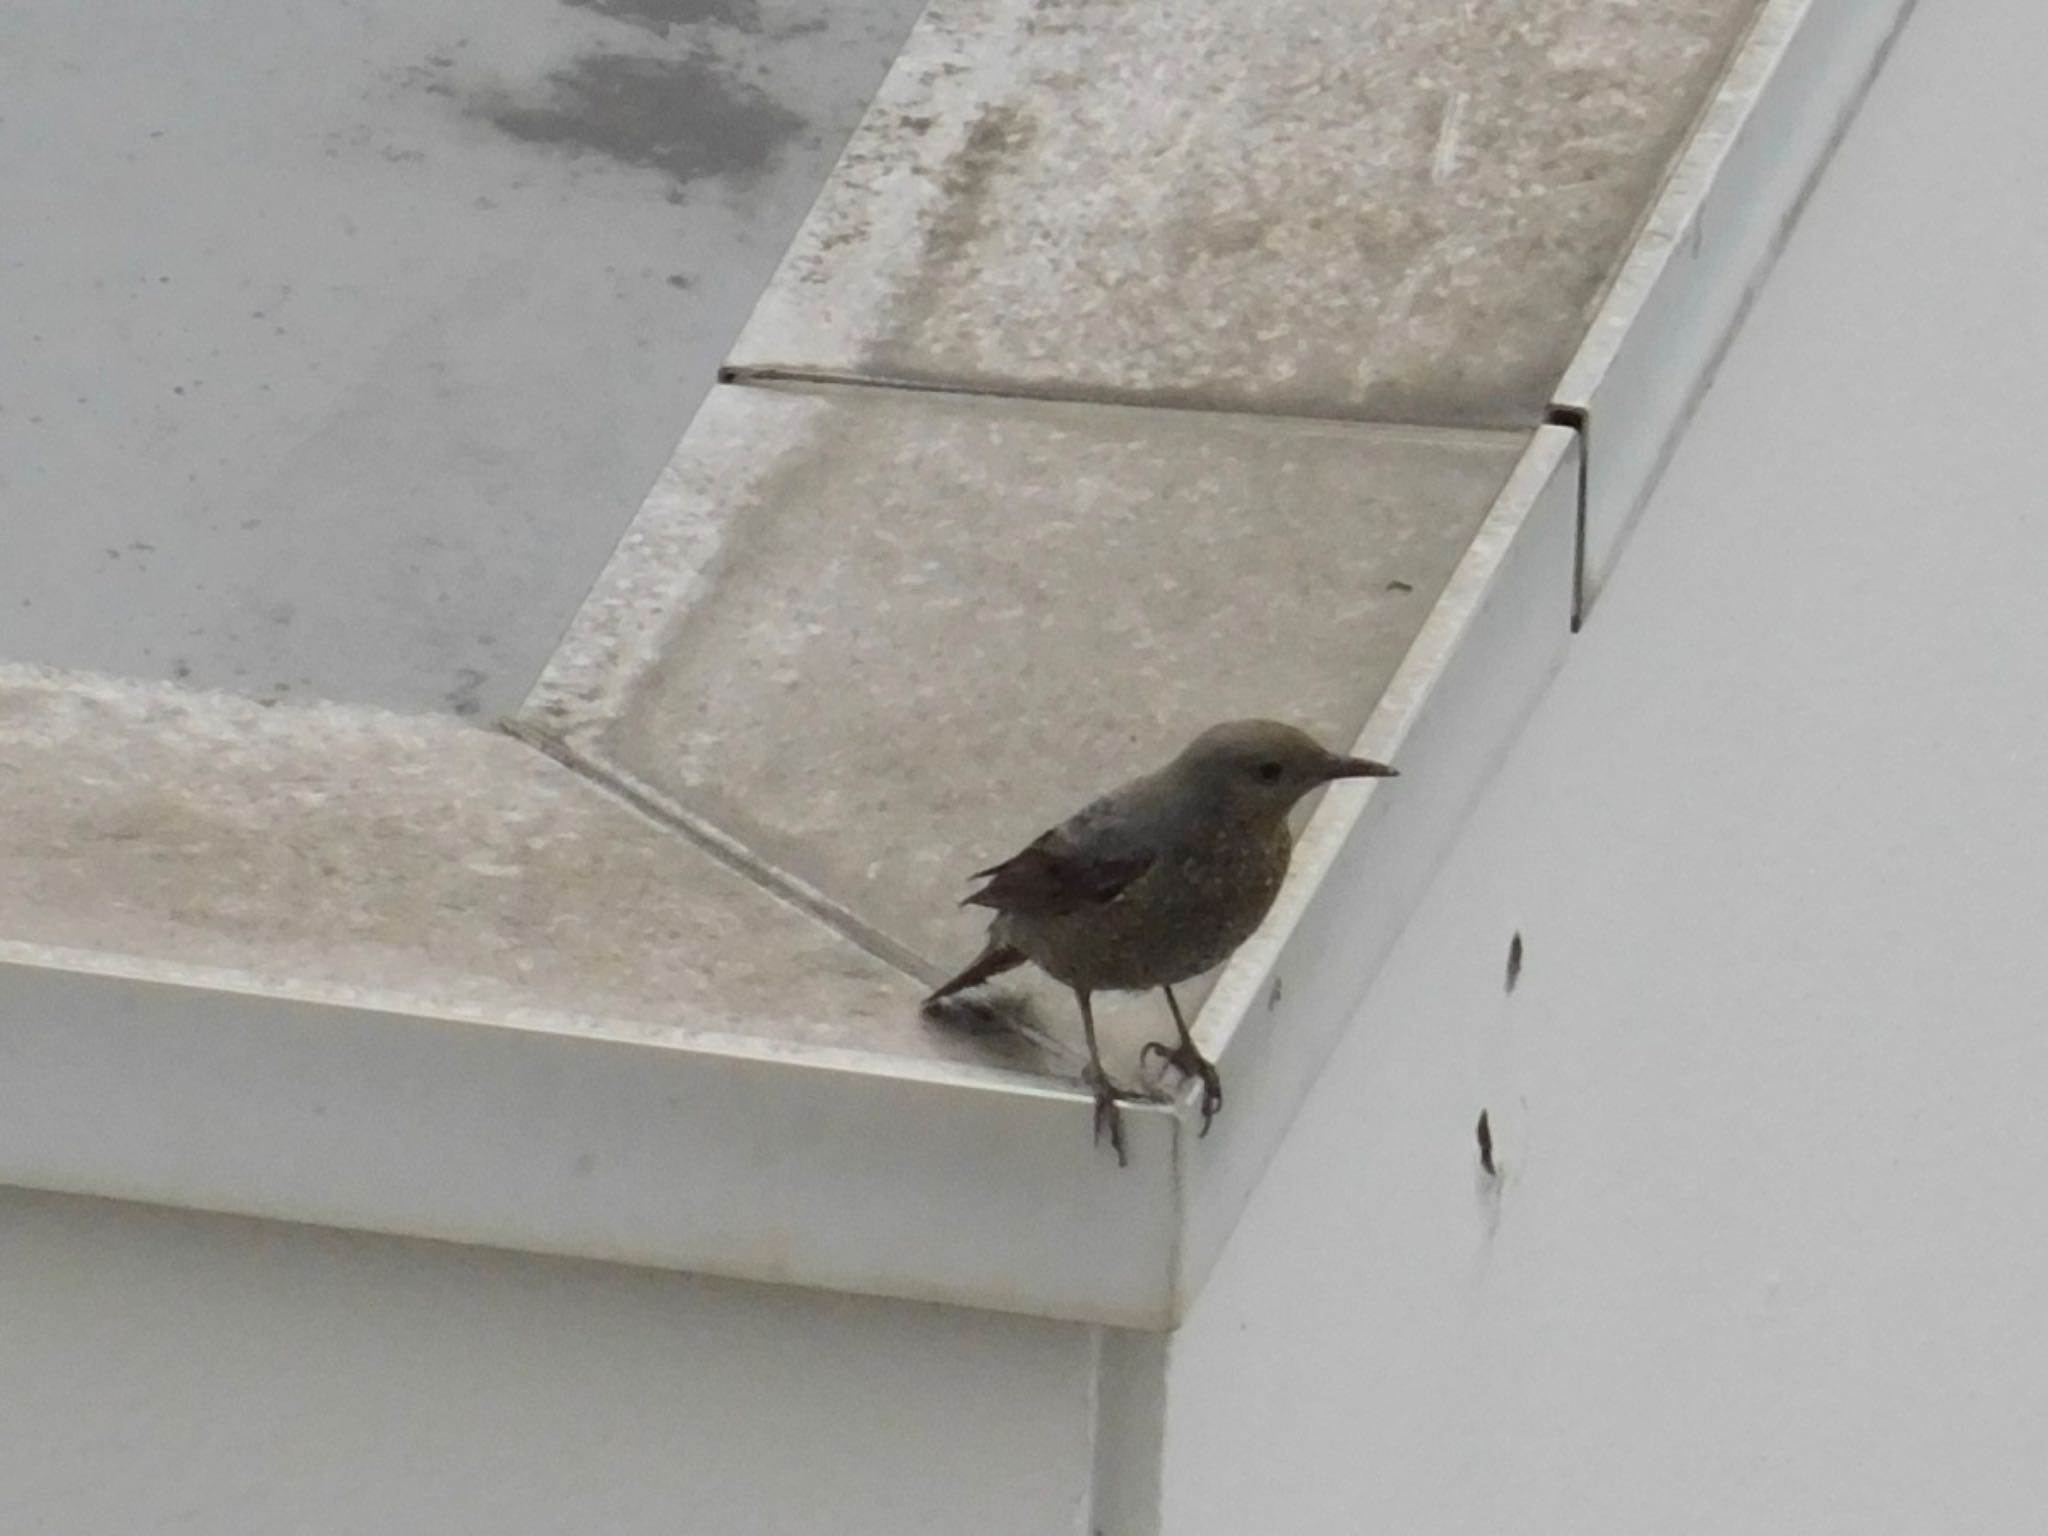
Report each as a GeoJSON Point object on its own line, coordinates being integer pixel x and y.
{"type": "Point", "coordinates": [1706, 247]}
{"type": "Point", "coordinates": [935, 1187]}
{"type": "Point", "coordinates": [1492, 644]}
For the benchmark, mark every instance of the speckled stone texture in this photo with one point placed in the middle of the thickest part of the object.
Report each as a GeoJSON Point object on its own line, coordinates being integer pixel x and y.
{"type": "Point", "coordinates": [1400, 210]}
{"type": "Point", "coordinates": [353, 854]}
{"type": "Point", "coordinates": [883, 639]}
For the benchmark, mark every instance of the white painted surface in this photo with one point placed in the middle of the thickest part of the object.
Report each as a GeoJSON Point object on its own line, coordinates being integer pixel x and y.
{"type": "Point", "coordinates": [169, 1372]}
{"type": "Point", "coordinates": [1770, 1246]}
{"type": "Point", "coordinates": [1706, 247]}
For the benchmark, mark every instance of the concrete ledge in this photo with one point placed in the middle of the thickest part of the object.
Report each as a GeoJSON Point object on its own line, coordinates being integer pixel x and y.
{"type": "Point", "coordinates": [876, 640]}
{"type": "Point", "coordinates": [456, 1097]}
{"type": "Point", "coordinates": [1401, 211]}
{"type": "Point", "coordinates": [650, 994]}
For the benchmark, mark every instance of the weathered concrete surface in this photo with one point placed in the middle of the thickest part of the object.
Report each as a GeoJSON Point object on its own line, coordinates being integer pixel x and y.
{"type": "Point", "coordinates": [1401, 210]}
{"type": "Point", "coordinates": [338, 343]}
{"type": "Point", "coordinates": [360, 854]}
{"type": "Point", "coordinates": [885, 638]}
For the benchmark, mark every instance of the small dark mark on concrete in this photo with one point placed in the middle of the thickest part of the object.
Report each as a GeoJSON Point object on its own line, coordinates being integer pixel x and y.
{"type": "Point", "coordinates": [1486, 1147]}
{"type": "Point", "coordinates": [1400, 586]}
{"type": "Point", "coordinates": [678, 280]}
{"type": "Point", "coordinates": [141, 545]}
{"type": "Point", "coordinates": [999, 135]}
{"type": "Point", "coordinates": [1003, 1024]}
{"type": "Point", "coordinates": [1514, 961]}
{"type": "Point", "coordinates": [462, 698]}
{"type": "Point", "coordinates": [1273, 997]}
{"type": "Point", "coordinates": [181, 669]}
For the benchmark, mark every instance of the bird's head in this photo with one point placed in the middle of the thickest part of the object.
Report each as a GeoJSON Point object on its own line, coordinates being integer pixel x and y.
{"type": "Point", "coordinates": [1261, 767]}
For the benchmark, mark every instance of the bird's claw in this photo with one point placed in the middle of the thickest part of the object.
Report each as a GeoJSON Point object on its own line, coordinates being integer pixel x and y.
{"type": "Point", "coordinates": [1191, 1063]}
{"type": "Point", "coordinates": [1107, 1116]}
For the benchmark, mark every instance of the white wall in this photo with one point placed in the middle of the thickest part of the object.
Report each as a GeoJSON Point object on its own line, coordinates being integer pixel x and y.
{"type": "Point", "coordinates": [165, 1372]}
{"type": "Point", "coordinates": [1773, 1090]}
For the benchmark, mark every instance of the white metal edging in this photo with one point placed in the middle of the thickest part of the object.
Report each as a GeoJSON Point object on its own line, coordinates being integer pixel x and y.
{"type": "Point", "coordinates": [546, 1140]}
{"type": "Point", "coordinates": [1476, 670]}
{"type": "Point", "coordinates": [1705, 249]}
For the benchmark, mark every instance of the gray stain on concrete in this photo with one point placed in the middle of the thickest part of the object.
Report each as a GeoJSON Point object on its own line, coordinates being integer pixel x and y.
{"type": "Point", "coordinates": [682, 117]}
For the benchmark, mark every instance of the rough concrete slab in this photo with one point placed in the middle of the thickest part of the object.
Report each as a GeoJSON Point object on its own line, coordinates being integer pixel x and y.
{"type": "Point", "coordinates": [881, 639]}
{"type": "Point", "coordinates": [356, 854]}
{"type": "Point", "coordinates": [1402, 210]}
{"type": "Point", "coordinates": [338, 343]}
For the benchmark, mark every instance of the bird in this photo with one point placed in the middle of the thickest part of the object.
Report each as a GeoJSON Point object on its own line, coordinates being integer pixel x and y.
{"type": "Point", "coordinates": [1154, 882]}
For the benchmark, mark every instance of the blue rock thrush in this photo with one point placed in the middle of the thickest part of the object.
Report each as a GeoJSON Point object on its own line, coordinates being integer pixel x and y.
{"type": "Point", "coordinates": [1156, 882]}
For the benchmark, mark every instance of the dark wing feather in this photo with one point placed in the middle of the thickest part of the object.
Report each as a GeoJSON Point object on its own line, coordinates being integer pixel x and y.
{"type": "Point", "coordinates": [1049, 879]}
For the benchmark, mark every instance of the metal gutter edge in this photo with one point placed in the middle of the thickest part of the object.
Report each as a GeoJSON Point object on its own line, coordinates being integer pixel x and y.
{"type": "Point", "coordinates": [536, 1139]}
{"type": "Point", "coordinates": [1483, 658]}
{"type": "Point", "coordinates": [1725, 211]}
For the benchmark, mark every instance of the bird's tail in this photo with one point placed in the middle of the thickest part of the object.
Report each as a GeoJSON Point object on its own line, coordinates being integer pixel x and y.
{"type": "Point", "coordinates": [996, 958]}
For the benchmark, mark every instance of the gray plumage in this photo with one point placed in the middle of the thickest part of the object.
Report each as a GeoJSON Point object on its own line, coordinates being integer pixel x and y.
{"type": "Point", "coordinates": [1157, 881]}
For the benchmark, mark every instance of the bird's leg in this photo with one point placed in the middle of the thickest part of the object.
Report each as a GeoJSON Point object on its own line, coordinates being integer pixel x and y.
{"type": "Point", "coordinates": [1106, 1092]}
{"type": "Point", "coordinates": [1190, 1061]}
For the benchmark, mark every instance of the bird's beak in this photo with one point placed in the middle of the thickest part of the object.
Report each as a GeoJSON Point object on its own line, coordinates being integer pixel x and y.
{"type": "Point", "coordinates": [1360, 768]}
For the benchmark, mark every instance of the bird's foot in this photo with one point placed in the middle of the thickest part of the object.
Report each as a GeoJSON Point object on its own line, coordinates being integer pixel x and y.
{"type": "Point", "coordinates": [1192, 1063]}
{"type": "Point", "coordinates": [1107, 1116]}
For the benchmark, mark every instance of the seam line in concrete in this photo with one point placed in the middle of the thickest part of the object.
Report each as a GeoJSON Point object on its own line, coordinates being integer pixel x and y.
{"type": "Point", "coordinates": [741, 859]}
{"type": "Point", "coordinates": [723, 846]}
{"type": "Point", "coordinates": [768, 375]}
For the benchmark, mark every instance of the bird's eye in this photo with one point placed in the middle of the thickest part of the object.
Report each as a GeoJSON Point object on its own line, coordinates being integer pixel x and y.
{"type": "Point", "coordinates": [1269, 773]}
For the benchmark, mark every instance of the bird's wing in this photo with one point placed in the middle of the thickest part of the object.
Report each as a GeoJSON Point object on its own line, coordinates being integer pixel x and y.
{"type": "Point", "coordinates": [1051, 878]}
